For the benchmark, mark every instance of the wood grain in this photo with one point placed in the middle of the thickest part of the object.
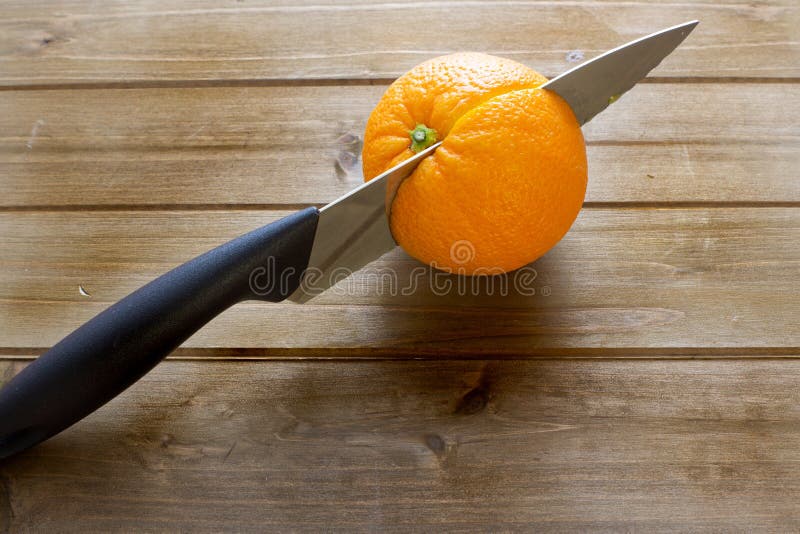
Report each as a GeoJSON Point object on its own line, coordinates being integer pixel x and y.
{"type": "Point", "coordinates": [555, 445]}
{"type": "Point", "coordinates": [648, 383]}
{"type": "Point", "coordinates": [275, 145]}
{"type": "Point", "coordinates": [653, 278]}
{"type": "Point", "coordinates": [68, 42]}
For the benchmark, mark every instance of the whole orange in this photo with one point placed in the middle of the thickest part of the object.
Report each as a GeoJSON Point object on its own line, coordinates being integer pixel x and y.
{"type": "Point", "coordinates": [509, 178]}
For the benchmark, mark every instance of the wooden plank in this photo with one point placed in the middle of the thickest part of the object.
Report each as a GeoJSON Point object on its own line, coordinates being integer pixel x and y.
{"type": "Point", "coordinates": [622, 278]}
{"type": "Point", "coordinates": [276, 145]}
{"type": "Point", "coordinates": [65, 42]}
{"type": "Point", "coordinates": [554, 445]}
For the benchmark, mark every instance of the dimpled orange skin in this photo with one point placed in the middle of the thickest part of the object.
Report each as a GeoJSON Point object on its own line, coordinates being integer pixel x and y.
{"type": "Point", "coordinates": [508, 180]}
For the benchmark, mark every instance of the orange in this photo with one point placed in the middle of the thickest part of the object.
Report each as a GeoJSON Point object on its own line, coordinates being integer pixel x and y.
{"type": "Point", "coordinates": [509, 178]}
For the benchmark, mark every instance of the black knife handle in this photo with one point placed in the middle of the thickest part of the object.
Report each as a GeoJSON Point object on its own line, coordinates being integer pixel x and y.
{"type": "Point", "coordinates": [103, 357]}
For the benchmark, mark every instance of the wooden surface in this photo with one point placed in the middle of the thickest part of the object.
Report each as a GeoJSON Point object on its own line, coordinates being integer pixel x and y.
{"type": "Point", "coordinates": [650, 383]}
{"type": "Point", "coordinates": [644, 445]}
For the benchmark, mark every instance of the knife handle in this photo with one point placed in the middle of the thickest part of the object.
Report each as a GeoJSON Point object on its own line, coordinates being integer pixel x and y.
{"type": "Point", "coordinates": [103, 357]}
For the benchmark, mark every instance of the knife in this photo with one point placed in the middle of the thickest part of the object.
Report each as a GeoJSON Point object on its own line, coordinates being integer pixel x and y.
{"type": "Point", "coordinates": [294, 258]}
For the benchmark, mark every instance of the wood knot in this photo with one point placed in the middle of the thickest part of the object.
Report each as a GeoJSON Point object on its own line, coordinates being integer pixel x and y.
{"type": "Point", "coordinates": [473, 402]}
{"type": "Point", "coordinates": [574, 56]}
{"type": "Point", "coordinates": [39, 40]}
{"type": "Point", "coordinates": [43, 40]}
{"type": "Point", "coordinates": [436, 444]}
{"type": "Point", "coordinates": [349, 141]}
{"type": "Point", "coordinates": [348, 148]}
{"type": "Point", "coordinates": [166, 439]}
{"type": "Point", "coordinates": [346, 160]}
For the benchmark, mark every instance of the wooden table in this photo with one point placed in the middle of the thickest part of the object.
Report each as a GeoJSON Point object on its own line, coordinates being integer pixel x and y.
{"type": "Point", "coordinates": [651, 383]}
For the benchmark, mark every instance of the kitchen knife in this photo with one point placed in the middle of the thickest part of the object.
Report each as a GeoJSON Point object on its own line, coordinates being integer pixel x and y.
{"type": "Point", "coordinates": [296, 257]}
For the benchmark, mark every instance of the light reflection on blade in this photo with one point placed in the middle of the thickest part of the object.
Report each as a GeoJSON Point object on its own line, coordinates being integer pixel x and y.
{"type": "Point", "coordinates": [353, 231]}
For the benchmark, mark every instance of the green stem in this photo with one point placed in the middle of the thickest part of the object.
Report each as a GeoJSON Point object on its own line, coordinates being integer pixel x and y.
{"type": "Point", "coordinates": [422, 137]}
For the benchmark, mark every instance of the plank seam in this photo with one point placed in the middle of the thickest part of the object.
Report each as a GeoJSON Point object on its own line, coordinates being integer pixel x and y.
{"type": "Point", "coordinates": [321, 82]}
{"type": "Point", "coordinates": [390, 354]}
{"type": "Point", "coordinates": [689, 204]}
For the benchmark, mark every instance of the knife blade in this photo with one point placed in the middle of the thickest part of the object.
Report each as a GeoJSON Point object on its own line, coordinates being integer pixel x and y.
{"type": "Point", "coordinates": [353, 230]}
{"type": "Point", "coordinates": [593, 85]}
{"type": "Point", "coordinates": [296, 258]}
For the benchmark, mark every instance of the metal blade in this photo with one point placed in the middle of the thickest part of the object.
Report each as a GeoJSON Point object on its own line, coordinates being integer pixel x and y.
{"type": "Point", "coordinates": [353, 231]}
{"type": "Point", "coordinates": [590, 87]}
